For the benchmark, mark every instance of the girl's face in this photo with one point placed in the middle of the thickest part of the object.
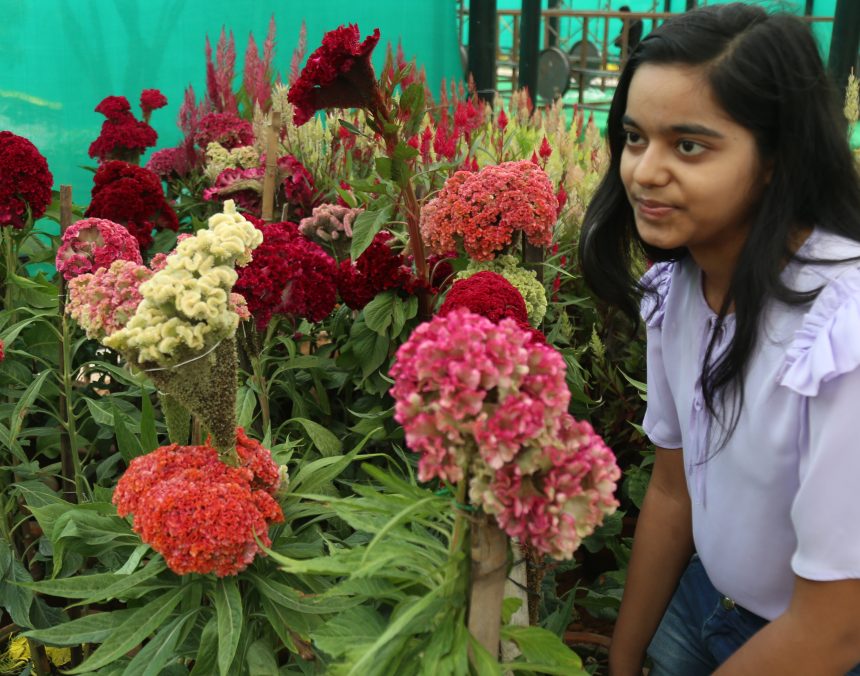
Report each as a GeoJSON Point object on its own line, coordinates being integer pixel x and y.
{"type": "Point", "coordinates": [692, 174]}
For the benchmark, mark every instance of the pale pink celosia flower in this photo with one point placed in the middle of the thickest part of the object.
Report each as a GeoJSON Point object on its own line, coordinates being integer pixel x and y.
{"type": "Point", "coordinates": [460, 378]}
{"type": "Point", "coordinates": [94, 243]}
{"type": "Point", "coordinates": [555, 494]}
{"type": "Point", "coordinates": [103, 301]}
{"type": "Point", "coordinates": [480, 211]}
{"type": "Point", "coordinates": [329, 222]}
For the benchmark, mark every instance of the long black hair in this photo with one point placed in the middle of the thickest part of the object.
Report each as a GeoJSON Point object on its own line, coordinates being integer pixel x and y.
{"type": "Point", "coordinates": [765, 71]}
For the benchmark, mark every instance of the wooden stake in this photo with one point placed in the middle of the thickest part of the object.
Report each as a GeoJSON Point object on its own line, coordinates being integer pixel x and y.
{"type": "Point", "coordinates": [271, 167]}
{"type": "Point", "coordinates": [489, 572]}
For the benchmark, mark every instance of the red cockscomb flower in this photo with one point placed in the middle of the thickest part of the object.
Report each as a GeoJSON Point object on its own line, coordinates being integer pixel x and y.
{"type": "Point", "coordinates": [337, 75]}
{"type": "Point", "coordinates": [378, 269]}
{"type": "Point", "coordinates": [151, 99]}
{"type": "Point", "coordinates": [288, 275]}
{"type": "Point", "coordinates": [122, 136]}
{"type": "Point", "coordinates": [25, 181]}
{"type": "Point", "coordinates": [132, 196]}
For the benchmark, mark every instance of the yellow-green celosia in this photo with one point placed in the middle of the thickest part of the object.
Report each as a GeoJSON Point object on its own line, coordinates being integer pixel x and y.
{"type": "Point", "coordinates": [525, 281]}
{"type": "Point", "coordinates": [186, 306]}
{"type": "Point", "coordinates": [218, 158]}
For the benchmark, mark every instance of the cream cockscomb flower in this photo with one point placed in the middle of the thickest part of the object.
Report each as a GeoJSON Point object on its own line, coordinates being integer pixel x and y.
{"type": "Point", "coordinates": [186, 306]}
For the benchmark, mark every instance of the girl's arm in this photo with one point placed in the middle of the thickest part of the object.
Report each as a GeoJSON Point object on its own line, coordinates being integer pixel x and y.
{"type": "Point", "coordinates": [819, 635]}
{"type": "Point", "coordinates": [662, 547]}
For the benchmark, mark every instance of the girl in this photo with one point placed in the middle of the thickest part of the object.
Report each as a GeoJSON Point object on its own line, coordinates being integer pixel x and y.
{"type": "Point", "coordinates": [730, 169]}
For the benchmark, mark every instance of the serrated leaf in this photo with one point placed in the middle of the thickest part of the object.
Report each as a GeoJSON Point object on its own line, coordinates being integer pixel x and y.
{"type": "Point", "coordinates": [228, 611]}
{"type": "Point", "coordinates": [323, 439]}
{"type": "Point", "coordinates": [136, 627]}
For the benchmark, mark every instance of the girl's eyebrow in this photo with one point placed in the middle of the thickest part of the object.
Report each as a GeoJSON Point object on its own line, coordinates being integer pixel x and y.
{"type": "Point", "coordinates": [694, 129]}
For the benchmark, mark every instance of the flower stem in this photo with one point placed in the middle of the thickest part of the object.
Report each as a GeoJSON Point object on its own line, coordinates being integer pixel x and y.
{"type": "Point", "coordinates": [71, 461]}
{"type": "Point", "coordinates": [11, 268]}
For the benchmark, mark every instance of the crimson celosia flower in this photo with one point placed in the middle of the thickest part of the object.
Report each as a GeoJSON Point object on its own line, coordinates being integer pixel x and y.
{"type": "Point", "coordinates": [288, 275]}
{"type": "Point", "coordinates": [103, 301]}
{"type": "Point", "coordinates": [378, 269]}
{"type": "Point", "coordinates": [151, 99]}
{"type": "Point", "coordinates": [25, 181]}
{"type": "Point", "coordinates": [132, 196]}
{"type": "Point", "coordinates": [229, 130]}
{"type": "Point", "coordinates": [122, 136]}
{"type": "Point", "coordinates": [200, 514]}
{"type": "Point", "coordinates": [166, 162]}
{"type": "Point", "coordinates": [94, 243]}
{"type": "Point", "coordinates": [298, 186]}
{"type": "Point", "coordinates": [461, 378]}
{"type": "Point", "coordinates": [487, 294]}
{"type": "Point", "coordinates": [337, 75]}
{"type": "Point", "coordinates": [545, 149]}
{"type": "Point", "coordinates": [2, 351]}
{"type": "Point", "coordinates": [481, 211]}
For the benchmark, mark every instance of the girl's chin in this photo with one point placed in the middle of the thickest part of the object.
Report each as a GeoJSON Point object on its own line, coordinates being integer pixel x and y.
{"type": "Point", "coordinates": [659, 238]}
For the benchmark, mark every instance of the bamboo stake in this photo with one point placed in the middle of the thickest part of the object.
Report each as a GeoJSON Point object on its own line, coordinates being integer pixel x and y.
{"type": "Point", "coordinates": [271, 167]}
{"type": "Point", "coordinates": [488, 576]}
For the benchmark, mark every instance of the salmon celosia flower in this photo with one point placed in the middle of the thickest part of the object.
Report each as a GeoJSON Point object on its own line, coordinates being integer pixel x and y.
{"type": "Point", "coordinates": [94, 243]}
{"type": "Point", "coordinates": [480, 211]}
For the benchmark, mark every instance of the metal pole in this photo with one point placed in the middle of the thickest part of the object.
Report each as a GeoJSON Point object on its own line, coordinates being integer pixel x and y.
{"type": "Point", "coordinates": [552, 23]}
{"type": "Point", "coordinates": [482, 47]}
{"type": "Point", "coordinates": [529, 43]}
{"type": "Point", "coordinates": [691, 4]}
{"type": "Point", "coordinates": [845, 40]}
{"type": "Point", "coordinates": [809, 8]}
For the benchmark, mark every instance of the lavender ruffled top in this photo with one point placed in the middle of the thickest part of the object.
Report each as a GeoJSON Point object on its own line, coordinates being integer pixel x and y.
{"type": "Point", "coordinates": [780, 498]}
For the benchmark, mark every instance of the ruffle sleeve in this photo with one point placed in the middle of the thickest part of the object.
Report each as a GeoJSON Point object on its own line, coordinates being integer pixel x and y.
{"type": "Point", "coordinates": [656, 282]}
{"type": "Point", "coordinates": [827, 344]}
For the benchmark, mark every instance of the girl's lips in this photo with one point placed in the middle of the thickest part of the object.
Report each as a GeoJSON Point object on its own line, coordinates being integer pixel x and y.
{"type": "Point", "coordinates": [653, 210]}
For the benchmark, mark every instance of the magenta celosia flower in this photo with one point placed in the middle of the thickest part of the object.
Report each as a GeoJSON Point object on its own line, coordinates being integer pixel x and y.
{"type": "Point", "coordinates": [166, 162]}
{"type": "Point", "coordinates": [555, 494]}
{"type": "Point", "coordinates": [481, 211]}
{"type": "Point", "coordinates": [2, 351]}
{"type": "Point", "coordinates": [459, 372]}
{"type": "Point", "coordinates": [338, 74]}
{"type": "Point", "coordinates": [243, 186]}
{"type": "Point", "coordinates": [94, 243]}
{"type": "Point", "coordinates": [102, 302]}
{"type": "Point", "coordinates": [197, 512]}
{"type": "Point", "coordinates": [25, 181]}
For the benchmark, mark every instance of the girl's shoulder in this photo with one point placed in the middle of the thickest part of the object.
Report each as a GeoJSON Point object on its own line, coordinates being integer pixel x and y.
{"type": "Point", "coordinates": [827, 344]}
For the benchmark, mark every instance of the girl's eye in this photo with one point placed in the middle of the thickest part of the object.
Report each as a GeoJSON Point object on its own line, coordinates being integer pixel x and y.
{"type": "Point", "coordinates": [690, 148]}
{"type": "Point", "coordinates": [631, 138]}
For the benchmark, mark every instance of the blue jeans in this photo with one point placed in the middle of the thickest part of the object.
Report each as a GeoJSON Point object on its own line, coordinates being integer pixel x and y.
{"type": "Point", "coordinates": [701, 628]}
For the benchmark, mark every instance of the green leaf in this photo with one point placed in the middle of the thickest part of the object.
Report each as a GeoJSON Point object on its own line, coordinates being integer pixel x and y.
{"type": "Point", "coordinates": [379, 312]}
{"type": "Point", "coordinates": [24, 403]}
{"type": "Point", "coordinates": [398, 316]}
{"type": "Point", "coordinates": [365, 227]}
{"type": "Point", "coordinates": [207, 652]}
{"type": "Point", "coordinates": [261, 659]}
{"type": "Point", "coordinates": [354, 628]}
{"type": "Point", "coordinates": [15, 598]}
{"type": "Point", "coordinates": [127, 444]}
{"type": "Point", "coordinates": [245, 405]}
{"type": "Point", "coordinates": [350, 127]}
{"type": "Point", "coordinates": [541, 646]}
{"type": "Point", "coordinates": [93, 628]}
{"type": "Point", "coordinates": [325, 442]}
{"type": "Point", "coordinates": [98, 586]}
{"type": "Point", "coordinates": [481, 659]}
{"type": "Point", "coordinates": [160, 650]}
{"type": "Point", "coordinates": [228, 610]}
{"type": "Point", "coordinates": [404, 151]}
{"type": "Point", "coordinates": [136, 627]}
{"type": "Point", "coordinates": [101, 412]}
{"type": "Point", "coordinates": [383, 168]}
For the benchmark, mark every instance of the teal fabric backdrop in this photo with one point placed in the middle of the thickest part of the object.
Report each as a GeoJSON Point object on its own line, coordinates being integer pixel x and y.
{"type": "Point", "coordinates": [59, 58]}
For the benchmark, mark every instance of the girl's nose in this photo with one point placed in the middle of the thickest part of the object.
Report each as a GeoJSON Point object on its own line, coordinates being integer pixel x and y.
{"type": "Point", "coordinates": [651, 167]}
